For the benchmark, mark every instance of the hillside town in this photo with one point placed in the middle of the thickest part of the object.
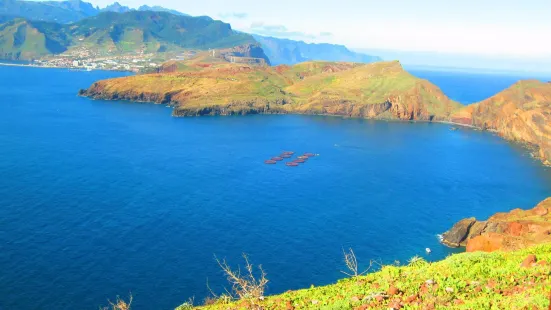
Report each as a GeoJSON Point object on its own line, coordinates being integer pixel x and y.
{"type": "Point", "coordinates": [133, 63]}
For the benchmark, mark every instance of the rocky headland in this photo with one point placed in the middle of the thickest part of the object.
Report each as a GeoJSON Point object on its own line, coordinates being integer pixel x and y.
{"type": "Point", "coordinates": [381, 90]}
{"type": "Point", "coordinates": [214, 84]}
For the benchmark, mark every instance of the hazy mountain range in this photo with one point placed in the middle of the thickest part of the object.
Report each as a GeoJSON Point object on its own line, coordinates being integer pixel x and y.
{"type": "Point", "coordinates": [285, 51]}
{"type": "Point", "coordinates": [66, 11]}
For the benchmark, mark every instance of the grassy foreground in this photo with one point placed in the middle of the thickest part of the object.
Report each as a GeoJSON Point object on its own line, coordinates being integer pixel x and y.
{"type": "Point", "coordinates": [463, 281]}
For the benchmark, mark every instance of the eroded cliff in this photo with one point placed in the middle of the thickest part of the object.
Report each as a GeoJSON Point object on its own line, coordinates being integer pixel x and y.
{"type": "Point", "coordinates": [520, 113]}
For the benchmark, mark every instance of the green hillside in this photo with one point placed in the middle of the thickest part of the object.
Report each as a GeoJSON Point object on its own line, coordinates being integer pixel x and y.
{"type": "Point", "coordinates": [381, 90]}
{"type": "Point", "coordinates": [21, 39]}
{"type": "Point", "coordinates": [136, 31]}
{"type": "Point", "coordinates": [463, 281]}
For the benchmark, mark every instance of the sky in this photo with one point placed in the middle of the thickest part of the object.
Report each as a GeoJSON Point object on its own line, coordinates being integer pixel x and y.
{"type": "Point", "coordinates": [503, 29]}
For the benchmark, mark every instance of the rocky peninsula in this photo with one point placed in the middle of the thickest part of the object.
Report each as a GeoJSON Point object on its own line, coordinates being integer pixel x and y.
{"type": "Point", "coordinates": [207, 85]}
{"type": "Point", "coordinates": [380, 91]}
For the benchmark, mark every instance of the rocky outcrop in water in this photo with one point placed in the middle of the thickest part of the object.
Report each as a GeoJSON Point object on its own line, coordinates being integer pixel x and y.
{"type": "Point", "coordinates": [513, 230]}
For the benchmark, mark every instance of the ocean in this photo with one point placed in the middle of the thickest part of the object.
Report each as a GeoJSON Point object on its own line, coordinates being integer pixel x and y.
{"type": "Point", "coordinates": [99, 199]}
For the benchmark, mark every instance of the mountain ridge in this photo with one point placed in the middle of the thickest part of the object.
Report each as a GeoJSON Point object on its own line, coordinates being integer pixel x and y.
{"type": "Point", "coordinates": [109, 32]}
{"type": "Point", "coordinates": [289, 52]}
{"type": "Point", "coordinates": [68, 11]}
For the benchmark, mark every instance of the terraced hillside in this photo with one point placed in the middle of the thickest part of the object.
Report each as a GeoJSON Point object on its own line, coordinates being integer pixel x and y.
{"type": "Point", "coordinates": [380, 90]}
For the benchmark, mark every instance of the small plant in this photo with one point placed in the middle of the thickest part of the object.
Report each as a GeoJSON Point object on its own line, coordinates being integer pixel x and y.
{"type": "Point", "coordinates": [351, 263]}
{"type": "Point", "coordinates": [245, 285]}
{"type": "Point", "coordinates": [119, 304]}
{"type": "Point", "coordinates": [188, 305]}
{"type": "Point", "coordinates": [416, 261]}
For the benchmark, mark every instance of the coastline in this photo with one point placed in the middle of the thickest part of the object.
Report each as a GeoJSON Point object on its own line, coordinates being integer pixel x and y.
{"type": "Point", "coordinates": [531, 149]}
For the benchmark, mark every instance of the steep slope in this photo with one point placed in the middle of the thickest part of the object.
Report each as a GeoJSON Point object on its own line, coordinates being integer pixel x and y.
{"type": "Point", "coordinates": [289, 52]}
{"type": "Point", "coordinates": [150, 32]}
{"type": "Point", "coordinates": [500, 280]}
{"type": "Point", "coordinates": [521, 113]}
{"type": "Point", "coordinates": [158, 31]}
{"type": "Point", "coordinates": [22, 39]}
{"type": "Point", "coordinates": [380, 90]}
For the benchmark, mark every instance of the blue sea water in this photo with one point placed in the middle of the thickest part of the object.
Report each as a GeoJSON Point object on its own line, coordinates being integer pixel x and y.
{"type": "Point", "coordinates": [99, 199]}
{"type": "Point", "coordinates": [470, 87]}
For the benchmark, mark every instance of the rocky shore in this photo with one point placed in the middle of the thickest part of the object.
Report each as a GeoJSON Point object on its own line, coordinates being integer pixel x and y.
{"type": "Point", "coordinates": [509, 231]}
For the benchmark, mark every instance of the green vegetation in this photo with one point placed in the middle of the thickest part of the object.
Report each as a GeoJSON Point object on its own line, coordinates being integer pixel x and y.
{"type": "Point", "coordinates": [20, 39]}
{"type": "Point", "coordinates": [113, 33]}
{"type": "Point", "coordinates": [379, 90]}
{"type": "Point", "coordinates": [462, 281]}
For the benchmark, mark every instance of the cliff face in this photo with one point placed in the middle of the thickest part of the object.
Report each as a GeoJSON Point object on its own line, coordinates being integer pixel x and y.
{"type": "Point", "coordinates": [520, 113]}
{"type": "Point", "coordinates": [380, 90]}
{"type": "Point", "coordinates": [289, 52]}
{"type": "Point", "coordinates": [503, 231]}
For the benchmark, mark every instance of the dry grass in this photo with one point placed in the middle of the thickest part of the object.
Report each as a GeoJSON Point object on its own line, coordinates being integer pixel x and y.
{"type": "Point", "coordinates": [119, 304]}
{"type": "Point", "coordinates": [245, 285]}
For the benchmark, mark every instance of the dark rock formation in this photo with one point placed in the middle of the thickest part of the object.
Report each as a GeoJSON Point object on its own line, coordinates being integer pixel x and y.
{"type": "Point", "coordinates": [503, 231]}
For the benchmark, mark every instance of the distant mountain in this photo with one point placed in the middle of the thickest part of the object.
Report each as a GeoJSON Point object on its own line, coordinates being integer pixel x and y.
{"type": "Point", "coordinates": [58, 11]}
{"type": "Point", "coordinates": [117, 8]}
{"type": "Point", "coordinates": [285, 51]}
{"type": "Point", "coordinates": [157, 8]}
{"type": "Point", "coordinates": [109, 32]}
{"type": "Point", "coordinates": [65, 11]}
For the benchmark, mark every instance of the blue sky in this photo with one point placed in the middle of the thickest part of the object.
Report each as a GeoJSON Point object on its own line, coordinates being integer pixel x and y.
{"type": "Point", "coordinates": [504, 29]}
